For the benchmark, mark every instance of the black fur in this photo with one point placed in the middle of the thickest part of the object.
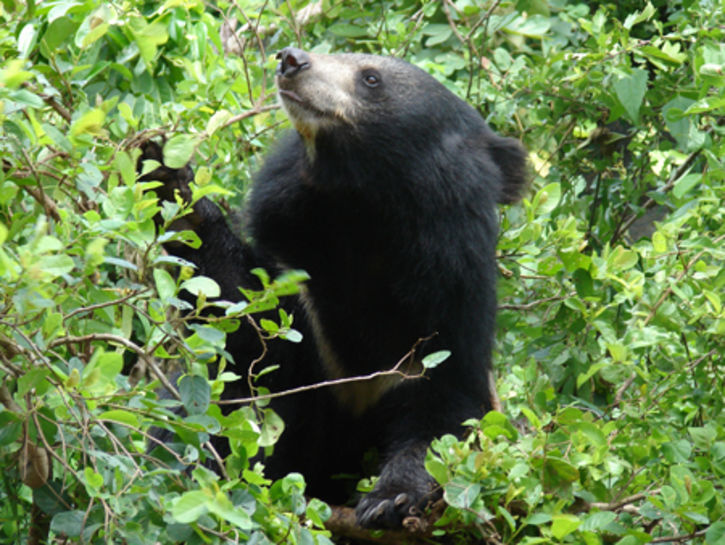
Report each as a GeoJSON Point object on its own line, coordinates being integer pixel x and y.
{"type": "Point", "coordinates": [392, 214]}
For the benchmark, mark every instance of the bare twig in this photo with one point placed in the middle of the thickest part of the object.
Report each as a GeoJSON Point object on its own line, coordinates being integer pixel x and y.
{"type": "Point", "coordinates": [532, 304]}
{"type": "Point", "coordinates": [679, 538]}
{"type": "Point", "coordinates": [62, 111]}
{"type": "Point", "coordinates": [394, 371]}
{"type": "Point", "coordinates": [249, 113]}
{"type": "Point", "coordinates": [96, 306]}
{"type": "Point", "coordinates": [39, 193]}
{"type": "Point", "coordinates": [623, 388]}
{"type": "Point", "coordinates": [618, 505]}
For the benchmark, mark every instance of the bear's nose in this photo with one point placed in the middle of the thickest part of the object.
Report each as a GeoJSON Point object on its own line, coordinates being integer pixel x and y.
{"type": "Point", "coordinates": [291, 61]}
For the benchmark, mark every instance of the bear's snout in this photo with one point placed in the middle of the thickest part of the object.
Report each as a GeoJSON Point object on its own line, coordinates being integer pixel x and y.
{"type": "Point", "coordinates": [292, 61]}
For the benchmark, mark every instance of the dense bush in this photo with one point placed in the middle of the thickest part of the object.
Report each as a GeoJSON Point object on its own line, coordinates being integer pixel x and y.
{"type": "Point", "coordinates": [611, 328]}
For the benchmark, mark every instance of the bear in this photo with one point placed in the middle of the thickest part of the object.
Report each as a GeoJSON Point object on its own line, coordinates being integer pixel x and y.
{"type": "Point", "coordinates": [385, 193]}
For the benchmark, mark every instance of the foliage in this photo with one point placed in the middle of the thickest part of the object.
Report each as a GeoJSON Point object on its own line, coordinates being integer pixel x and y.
{"type": "Point", "coordinates": [611, 324]}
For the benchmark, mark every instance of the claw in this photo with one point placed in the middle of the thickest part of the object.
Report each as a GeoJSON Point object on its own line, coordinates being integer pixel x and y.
{"type": "Point", "coordinates": [380, 510]}
{"type": "Point", "coordinates": [401, 499]}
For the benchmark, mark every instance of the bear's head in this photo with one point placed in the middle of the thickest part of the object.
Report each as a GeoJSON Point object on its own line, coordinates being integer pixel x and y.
{"type": "Point", "coordinates": [388, 109]}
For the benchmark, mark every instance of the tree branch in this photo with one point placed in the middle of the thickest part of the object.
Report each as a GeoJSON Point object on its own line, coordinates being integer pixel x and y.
{"type": "Point", "coordinates": [416, 530]}
{"type": "Point", "coordinates": [108, 337]}
{"type": "Point", "coordinates": [394, 371]}
{"type": "Point", "coordinates": [679, 278]}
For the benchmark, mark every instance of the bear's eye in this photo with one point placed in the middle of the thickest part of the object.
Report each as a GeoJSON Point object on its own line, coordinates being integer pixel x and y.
{"type": "Point", "coordinates": [371, 79]}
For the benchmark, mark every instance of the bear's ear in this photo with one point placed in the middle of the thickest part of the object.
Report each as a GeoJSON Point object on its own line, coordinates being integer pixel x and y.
{"type": "Point", "coordinates": [510, 156]}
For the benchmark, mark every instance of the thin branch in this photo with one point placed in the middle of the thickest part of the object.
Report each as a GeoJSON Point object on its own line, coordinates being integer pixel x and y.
{"type": "Point", "coordinates": [96, 306]}
{"type": "Point", "coordinates": [452, 23]}
{"type": "Point", "coordinates": [615, 506]}
{"type": "Point", "coordinates": [650, 202]}
{"type": "Point", "coordinates": [249, 113]}
{"type": "Point", "coordinates": [623, 388]}
{"type": "Point", "coordinates": [394, 371]}
{"type": "Point", "coordinates": [679, 278]}
{"type": "Point", "coordinates": [107, 337]}
{"type": "Point", "coordinates": [62, 111]}
{"type": "Point", "coordinates": [679, 538]}
{"type": "Point", "coordinates": [532, 304]}
{"type": "Point", "coordinates": [39, 193]}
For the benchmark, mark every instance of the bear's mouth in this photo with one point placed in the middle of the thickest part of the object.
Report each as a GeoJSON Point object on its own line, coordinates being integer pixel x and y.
{"type": "Point", "coordinates": [296, 105]}
{"type": "Point", "coordinates": [291, 95]}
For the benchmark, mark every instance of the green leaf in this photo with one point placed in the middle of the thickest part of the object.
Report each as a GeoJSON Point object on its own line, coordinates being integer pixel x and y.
{"type": "Point", "coordinates": [534, 26]}
{"type": "Point", "coordinates": [272, 428]}
{"type": "Point", "coordinates": [537, 519]}
{"type": "Point", "coordinates": [94, 480]}
{"type": "Point", "coordinates": [26, 40]}
{"type": "Point", "coordinates": [209, 334]}
{"type": "Point", "coordinates": [347, 30]}
{"type": "Point", "coordinates": [659, 242]}
{"type": "Point", "coordinates": [99, 376]}
{"type": "Point", "coordinates": [26, 98]}
{"type": "Point", "coordinates": [55, 265]}
{"type": "Point", "coordinates": [630, 90]}
{"type": "Point", "coordinates": [222, 507]}
{"type": "Point", "coordinates": [461, 493]}
{"type": "Point", "coordinates": [190, 506]}
{"type": "Point", "coordinates": [715, 534]}
{"type": "Point", "coordinates": [195, 394]}
{"type": "Point", "coordinates": [90, 123]}
{"type": "Point", "coordinates": [218, 120]}
{"type": "Point", "coordinates": [197, 192]}
{"type": "Point", "coordinates": [68, 523]}
{"type": "Point", "coordinates": [639, 16]}
{"type": "Point", "coordinates": [148, 37]}
{"type": "Point", "coordinates": [531, 417]}
{"type": "Point", "coordinates": [435, 359]}
{"type": "Point", "coordinates": [560, 469]}
{"type": "Point", "coordinates": [685, 184]}
{"type": "Point", "coordinates": [507, 517]}
{"type": "Point", "coordinates": [126, 167]}
{"type": "Point", "coordinates": [681, 126]}
{"type": "Point", "coordinates": [58, 32]}
{"type": "Point", "coordinates": [269, 325]}
{"type": "Point", "coordinates": [677, 452]}
{"type": "Point", "coordinates": [165, 284]}
{"type": "Point", "coordinates": [95, 25]}
{"type": "Point", "coordinates": [11, 428]}
{"type": "Point", "coordinates": [546, 199]}
{"type": "Point", "coordinates": [437, 469]}
{"type": "Point", "coordinates": [121, 416]}
{"type": "Point", "coordinates": [438, 33]}
{"type": "Point", "coordinates": [34, 379]}
{"type": "Point", "coordinates": [179, 148]}
{"type": "Point", "coordinates": [318, 512]}
{"type": "Point", "coordinates": [563, 525]}
{"type": "Point", "coordinates": [594, 435]}
{"type": "Point", "coordinates": [495, 423]}
{"type": "Point", "coordinates": [597, 522]}
{"type": "Point", "coordinates": [622, 259]}
{"type": "Point", "coordinates": [202, 285]}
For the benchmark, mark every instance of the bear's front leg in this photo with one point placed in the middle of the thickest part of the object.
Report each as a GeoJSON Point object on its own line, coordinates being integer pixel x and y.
{"type": "Point", "coordinates": [222, 256]}
{"type": "Point", "coordinates": [403, 490]}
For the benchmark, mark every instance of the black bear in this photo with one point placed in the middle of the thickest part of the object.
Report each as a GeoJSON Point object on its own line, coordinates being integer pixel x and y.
{"type": "Point", "coordinates": [385, 194]}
